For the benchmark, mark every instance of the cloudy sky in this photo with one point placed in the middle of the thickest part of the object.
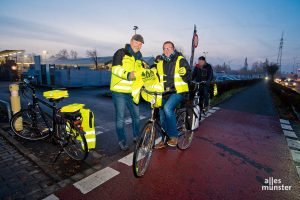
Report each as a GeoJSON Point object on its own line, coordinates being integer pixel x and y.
{"type": "Point", "coordinates": [228, 30]}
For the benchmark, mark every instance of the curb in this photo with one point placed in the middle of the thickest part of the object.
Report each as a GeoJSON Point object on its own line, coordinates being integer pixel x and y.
{"type": "Point", "coordinates": [292, 142]}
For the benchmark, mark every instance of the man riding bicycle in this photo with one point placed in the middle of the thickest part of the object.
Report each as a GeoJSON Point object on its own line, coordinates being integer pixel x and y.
{"type": "Point", "coordinates": [174, 73]}
{"type": "Point", "coordinates": [203, 72]}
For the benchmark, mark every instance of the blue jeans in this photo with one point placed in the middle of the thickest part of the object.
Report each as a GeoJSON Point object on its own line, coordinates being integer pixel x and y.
{"type": "Point", "coordinates": [121, 101]}
{"type": "Point", "coordinates": [167, 114]}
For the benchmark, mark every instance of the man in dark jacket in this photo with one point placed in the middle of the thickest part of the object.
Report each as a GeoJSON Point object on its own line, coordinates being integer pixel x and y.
{"type": "Point", "coordinates": [174, 73]}
{"type": "Point", "coordinates": [203, 72]}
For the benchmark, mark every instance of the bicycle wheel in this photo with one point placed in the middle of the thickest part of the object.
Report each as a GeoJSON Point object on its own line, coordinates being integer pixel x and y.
{"type": "Point", "coordinates": [30, 125]}
{"type": "Point", "coordinates": [143, 150]}
{"type": "Point", "coordinates": [185, 136]}
{"type": "Point", "coordinates": [73, 141]}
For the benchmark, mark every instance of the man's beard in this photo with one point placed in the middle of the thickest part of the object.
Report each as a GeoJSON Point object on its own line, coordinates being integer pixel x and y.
{"type": "Point", "coordinates": [135, 50]}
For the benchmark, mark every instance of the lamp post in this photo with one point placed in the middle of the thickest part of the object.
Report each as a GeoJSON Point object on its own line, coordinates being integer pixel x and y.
{"type": "Point", "coordinates": [45, 55]}
{"type": "Point", "coordinates": [135, 28]}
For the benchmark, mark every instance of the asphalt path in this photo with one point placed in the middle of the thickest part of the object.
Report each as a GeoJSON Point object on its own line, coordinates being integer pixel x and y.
{"type": "Point", "coordinates": [239, 152]}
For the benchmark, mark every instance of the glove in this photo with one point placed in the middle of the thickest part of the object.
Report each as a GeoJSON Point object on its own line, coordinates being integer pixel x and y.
{"type": "Point", "coordinates": [182, 71]}
{"type": "Point", "coordinates": [131, 76]}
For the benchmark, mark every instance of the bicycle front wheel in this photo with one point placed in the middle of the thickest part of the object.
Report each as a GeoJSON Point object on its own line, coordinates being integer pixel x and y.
{"type": "Point", "coordinates": [73, 141]}
{"type": "Point", "coordinates": [143, 150]}
{"type": "Point", "coordinates": [185, 136]}
{"type": "Point", "coordinates": [30, 125]}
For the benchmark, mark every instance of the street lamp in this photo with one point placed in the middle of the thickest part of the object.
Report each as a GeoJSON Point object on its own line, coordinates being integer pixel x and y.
{"type": "Point", "coordinates": [45, 55]}
{"type": "Point", "coordinates": [205, 52]}
{"type": "Point", "coordinates": [135, 28]}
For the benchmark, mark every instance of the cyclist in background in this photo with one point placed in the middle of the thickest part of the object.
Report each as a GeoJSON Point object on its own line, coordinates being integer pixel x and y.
{"type": "Point", "coordinates": [203, 72]}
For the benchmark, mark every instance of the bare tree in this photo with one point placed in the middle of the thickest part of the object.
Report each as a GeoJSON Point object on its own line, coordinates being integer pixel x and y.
{"type": "Point", "coordinates": [93, 55]}
{"type": "Point", "coordinates": [272, 69]}
{"type": "Point", "coordinates": [62, 54]}
{"type": "Point", "coordinates": [73, 54]}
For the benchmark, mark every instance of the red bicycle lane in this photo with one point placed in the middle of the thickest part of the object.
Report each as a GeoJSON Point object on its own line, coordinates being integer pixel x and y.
{"type": "Point", "coordinates": [231, 156]}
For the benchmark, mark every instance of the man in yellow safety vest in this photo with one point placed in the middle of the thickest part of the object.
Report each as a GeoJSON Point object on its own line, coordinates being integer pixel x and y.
{"type": "Point", "coordinates": [126, 62]}
{"type": "Point", "coordinates": [174, 74]}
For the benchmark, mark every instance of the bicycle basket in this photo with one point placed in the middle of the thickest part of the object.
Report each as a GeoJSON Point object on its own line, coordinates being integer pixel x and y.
{"type": "Point", "coordinates": [56, 94]}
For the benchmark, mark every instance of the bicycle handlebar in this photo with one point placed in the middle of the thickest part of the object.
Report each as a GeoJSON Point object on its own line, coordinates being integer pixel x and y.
{"type": "Point", "coordinates": [198, 83]}
{"type": "Point", "coordinates": [151, 93]}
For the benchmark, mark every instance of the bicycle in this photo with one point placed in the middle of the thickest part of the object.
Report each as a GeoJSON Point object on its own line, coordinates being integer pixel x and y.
{"type": "Point", "coordinates": [145, 145]}
{"type": "Point", "coordinates": [63, 126]}
{"type": "Point", "coordinates": [198, 88]}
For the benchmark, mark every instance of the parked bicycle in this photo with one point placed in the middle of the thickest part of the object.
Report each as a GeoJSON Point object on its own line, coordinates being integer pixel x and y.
{"type": "Point", "coordinates": [145, 145]}
{"type": "Point", "coordinates": [63, 126]}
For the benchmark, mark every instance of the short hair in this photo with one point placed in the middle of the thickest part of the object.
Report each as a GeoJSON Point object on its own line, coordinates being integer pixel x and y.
{"type": "Point", "coordinates": [169, 42]}
{"type": "Point", "coordinates": [201, 58]}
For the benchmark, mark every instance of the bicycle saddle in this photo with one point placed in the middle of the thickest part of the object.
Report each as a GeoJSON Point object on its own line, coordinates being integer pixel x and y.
{"type": "Point", "coordinates": [56, 95]}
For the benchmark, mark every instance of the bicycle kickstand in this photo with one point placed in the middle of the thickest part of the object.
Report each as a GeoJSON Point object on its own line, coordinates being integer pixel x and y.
{"type": "Point", "coordinates": [57, 155]}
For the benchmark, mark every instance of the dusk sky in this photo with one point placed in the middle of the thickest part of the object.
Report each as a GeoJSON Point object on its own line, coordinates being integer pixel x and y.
{"type": "Point", "coordinates": [229, 30]}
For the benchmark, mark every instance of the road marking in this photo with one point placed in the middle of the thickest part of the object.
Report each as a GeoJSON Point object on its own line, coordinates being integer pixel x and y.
{"type": "Point", "coordinates": [283, 121]}
{"type": "Point", "coordinates": [289, 134]}
{"type": "Point", "coordinates": [127, 160]}
{"type": "Point", "coordinates": [211, 111]}
{"type": "Point", "coordinates": [293, 143]}
{"type": "Point", "coordinates": [94, 180]}
{"type": "Point", "coordinates": [295, 155]}
{"type": "Point", "coordinates": [215, 108]}
{"type": "Point", "coordinates": [298, 170]}
{"type": "Point", "coordinates": [129, 120]}
{"type": "Point", "coordinates": [51, 197]}
{"type": "Point", "coordinates": [99, 132]}
{"type": "Point", "coordinates": [208, 114]}
{"type": "Point", "coordinates": [102, 129]}
{"type": "Point", "coordinates": [286, 127]}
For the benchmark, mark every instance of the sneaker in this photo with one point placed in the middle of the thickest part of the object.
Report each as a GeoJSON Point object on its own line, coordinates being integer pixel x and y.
{"type": "Point", "coordinates": [173, 142]}
{"type": "Point", "coordinates": [160, 145]}
{"type": "Point", "coordinates": [123, 146]}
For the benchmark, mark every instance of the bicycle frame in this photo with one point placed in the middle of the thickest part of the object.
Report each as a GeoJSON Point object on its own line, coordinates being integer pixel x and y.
{"type": "Point", "coordinates": [155, 119]}
{"type": "Point", "coordinates": [53, 107]}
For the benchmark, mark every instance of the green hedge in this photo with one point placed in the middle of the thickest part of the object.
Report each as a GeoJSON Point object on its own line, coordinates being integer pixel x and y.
{"type": "Point", "coordinates": [286, 95]}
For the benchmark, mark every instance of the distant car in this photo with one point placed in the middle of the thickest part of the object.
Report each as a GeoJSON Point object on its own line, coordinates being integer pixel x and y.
{"type": "Point", "coordinates": [290, 83]}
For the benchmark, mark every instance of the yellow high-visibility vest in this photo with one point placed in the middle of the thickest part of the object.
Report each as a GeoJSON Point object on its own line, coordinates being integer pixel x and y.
{"type": "Point", "coordinates": [119, 73]}
{"type": "Point", "coordinates": [180, 85]}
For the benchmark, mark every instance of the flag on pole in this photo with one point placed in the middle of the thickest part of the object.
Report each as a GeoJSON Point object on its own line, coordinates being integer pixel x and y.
{"type": "Point", "coordinates": [194, 45]}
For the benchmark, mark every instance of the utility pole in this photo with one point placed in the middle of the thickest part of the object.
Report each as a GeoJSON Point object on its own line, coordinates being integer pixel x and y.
{"type": "Point", "coordinates": [280, 53]}
{"type": "Point", "coordinates": [135, 28]}
{"type": "Point", "coordinates": [294, 64]}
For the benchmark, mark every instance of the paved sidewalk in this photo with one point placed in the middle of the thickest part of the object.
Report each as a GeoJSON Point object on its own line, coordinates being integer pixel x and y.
{"type": "Point", "coordinates": [20, 178]}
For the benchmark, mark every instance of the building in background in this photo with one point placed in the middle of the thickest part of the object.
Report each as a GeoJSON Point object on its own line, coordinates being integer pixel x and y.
{"type": "Point", "coordinates": [10, 70]}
